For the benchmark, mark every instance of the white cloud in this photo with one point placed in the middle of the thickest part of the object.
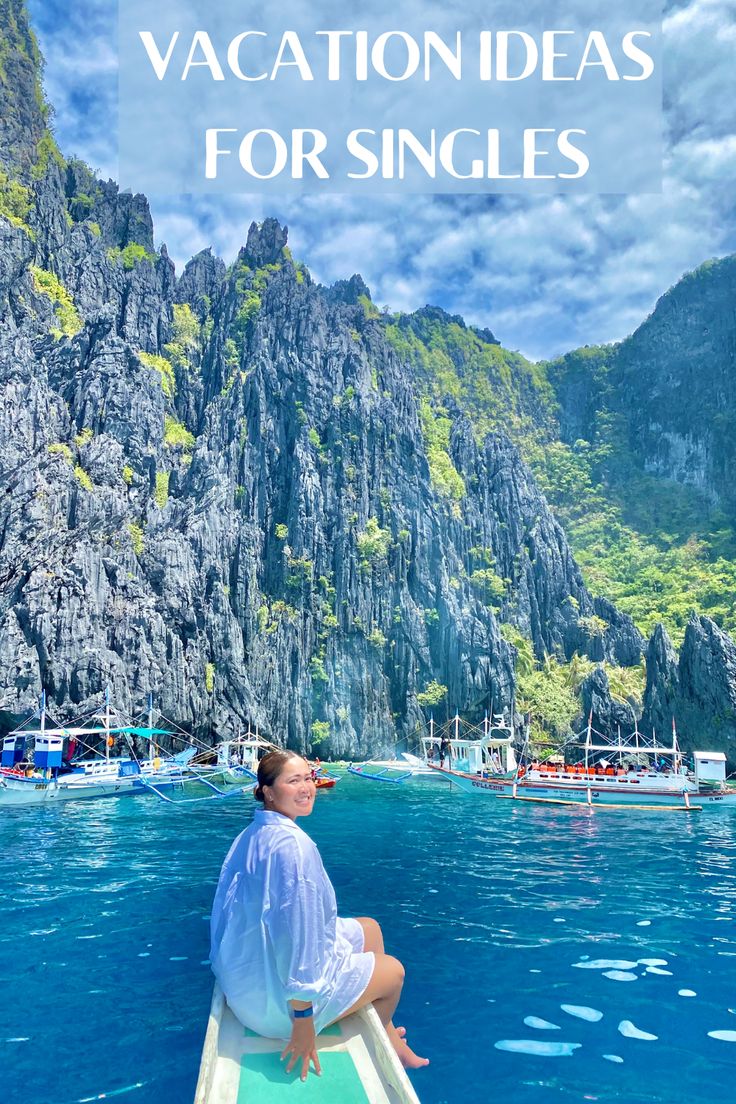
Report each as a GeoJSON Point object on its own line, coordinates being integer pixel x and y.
{"type": "Point", "coordinates": [545, 274]}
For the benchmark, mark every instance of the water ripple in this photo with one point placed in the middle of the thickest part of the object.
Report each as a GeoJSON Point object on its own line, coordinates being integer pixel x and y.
{"type": "Point", "coordinates": [469, 894]}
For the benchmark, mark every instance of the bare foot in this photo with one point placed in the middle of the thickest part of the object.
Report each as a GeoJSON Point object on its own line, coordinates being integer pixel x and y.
{"type": "Point", "coordinates": [406, 1055]}
{"type": "Point", "coordinates": [409, 1059]}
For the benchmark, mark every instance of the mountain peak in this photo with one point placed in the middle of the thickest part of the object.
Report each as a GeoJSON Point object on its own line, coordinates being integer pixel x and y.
{"type": "Point", "coordinates": [265, 242]}
{"type": "Point", "coordinates": [24, 113]}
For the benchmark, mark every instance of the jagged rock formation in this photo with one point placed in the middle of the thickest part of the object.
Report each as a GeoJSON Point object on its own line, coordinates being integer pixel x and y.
{"type": "Point", "coordinates": [698, 690]}
{"type": "Point", "coordinates": [671, 386]}
{"type": "Point", "coordinates": [607, 715]}
{"type": "Point", "coordinates": [224, 490]}
{"type": "Point", "coordinates": [23, 112]}
{"type": "Point", "coordinates": [662, 693]}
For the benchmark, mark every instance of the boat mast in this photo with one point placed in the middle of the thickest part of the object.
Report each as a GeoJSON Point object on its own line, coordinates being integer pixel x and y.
{"type": "Point", "coordinates": [588, 744]}
{"type": "Point", "coordinates": [43, 715]}
{"type": "Point", "coordinates": [107, 723]}
{"type": "Point", "coordinates": [151, 746]}
{"type": "Point", "coordinates": [485, 753]}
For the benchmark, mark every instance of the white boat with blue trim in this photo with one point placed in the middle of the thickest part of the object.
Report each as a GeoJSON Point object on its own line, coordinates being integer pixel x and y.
{"type": "Point", "coordinates": [42, 764]}
{"type": "Point", "coordinates": [234, 761]}
{"type": "Point", "coordinates": [632, 772]}
{"type": "Point", "coordinates": [480, 747]}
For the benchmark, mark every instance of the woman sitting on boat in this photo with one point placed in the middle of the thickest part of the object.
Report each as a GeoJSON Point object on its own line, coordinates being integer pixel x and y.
{"type": "Point", "coordinates": [286, 962]}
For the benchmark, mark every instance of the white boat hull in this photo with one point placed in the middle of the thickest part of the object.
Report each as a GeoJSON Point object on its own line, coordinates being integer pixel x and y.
{"type": "Point", "coordinates": [16, 791]}
{"type": "Point", "coordinates": [225, 776]}
{"type": "Point", "coordinates": [599, 792]}
{"type": "Point", "coordinates": [403, 767]}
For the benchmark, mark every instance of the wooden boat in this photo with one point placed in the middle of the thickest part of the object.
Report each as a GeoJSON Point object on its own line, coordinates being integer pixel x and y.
{"type": "Point", "coordinates": [49, 778]}
{"type": "Point", "coordinates": [630, 772]}
{"type": "Point", "coordinates": [359, 1065]}
{"type": "Point", "coordinates": [39, 765]}
{"type": "Point", "coordinates": [487, 748]}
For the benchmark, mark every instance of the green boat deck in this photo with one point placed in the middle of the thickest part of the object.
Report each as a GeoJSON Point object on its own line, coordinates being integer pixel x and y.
{"type": "Point", "coordinates": [358, 1066]}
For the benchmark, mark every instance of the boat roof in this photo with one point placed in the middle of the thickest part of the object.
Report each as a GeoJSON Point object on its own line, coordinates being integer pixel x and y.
{"type": "Point", "coordinates": [78, 730]}
{"type": "Point", "coordinates": [634, 743]}
{"type": "Point", "coordinates": [632, 749]}
{"type": "Point", "coordinates": [73, 730]}
{"type": "Point", "coordinates": [484, 741]}
{"type": "Point", "coordinates": [138, 730]}
{"type": "Point", "coordinates": [719, 756]}
{"type": "Point", "coordinates": [250, 739]}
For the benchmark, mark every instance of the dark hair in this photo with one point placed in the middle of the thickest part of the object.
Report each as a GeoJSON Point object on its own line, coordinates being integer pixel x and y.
{"type": "Point", "coordinates": [269, 768]}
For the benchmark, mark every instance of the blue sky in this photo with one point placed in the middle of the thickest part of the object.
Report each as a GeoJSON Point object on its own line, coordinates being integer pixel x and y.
{"type": "Point", "coordinates": [546, 274]}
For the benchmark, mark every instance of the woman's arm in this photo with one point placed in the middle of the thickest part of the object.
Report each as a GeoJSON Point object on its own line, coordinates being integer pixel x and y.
{"type": "Point", "coordinates": [302, 1045]}
{"type": "Point", "coordinates": [297, 928]}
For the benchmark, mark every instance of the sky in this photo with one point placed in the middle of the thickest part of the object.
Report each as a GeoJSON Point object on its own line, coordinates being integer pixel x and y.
{"type": "Point", "coordinates": [546, 274]}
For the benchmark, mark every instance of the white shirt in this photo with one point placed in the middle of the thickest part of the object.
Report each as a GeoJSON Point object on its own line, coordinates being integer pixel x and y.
{"type": "Point", "coordinates": [276, 935]}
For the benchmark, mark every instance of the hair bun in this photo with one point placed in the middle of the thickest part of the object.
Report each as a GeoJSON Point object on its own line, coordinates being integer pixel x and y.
{"type": "Point", "coordinates": [258, 794]}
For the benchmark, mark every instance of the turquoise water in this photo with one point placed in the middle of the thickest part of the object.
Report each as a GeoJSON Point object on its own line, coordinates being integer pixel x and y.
{"type": "Point", "coordinates": [499, 913]}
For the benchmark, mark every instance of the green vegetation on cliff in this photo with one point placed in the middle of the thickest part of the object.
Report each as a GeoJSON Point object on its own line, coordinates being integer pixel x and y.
{"type": "Point", "coordinates": [46, 283]}
{"type": "Point", "coordinates": [165, 369]}
{"type": "Point", "coordinates": [15, 203]}
{"type": "Point", "coordinates": [550, 690]}
{"type": "Point", "coordinates": [496, 388]}
{"type": "Point", "coordinates": [131, 255]}
{"type": "Point", "coordinates": [177, 436]}
{"type": "Point", "coordinates": [655, 547]}
{"type": "Point", "coordinates": [186, 334]}
{"type": "Point", "coordinates": [436, 428]}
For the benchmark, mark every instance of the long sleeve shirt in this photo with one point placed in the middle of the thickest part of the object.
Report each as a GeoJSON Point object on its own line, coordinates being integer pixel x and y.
{"type": "Point", "coordinates": [276, 935]}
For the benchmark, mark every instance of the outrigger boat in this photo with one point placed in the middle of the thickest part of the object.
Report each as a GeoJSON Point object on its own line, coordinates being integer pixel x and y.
{"type": "Point", "coordinates": [34, 769]}
{"type": "Point", "coordinates": [358, 1064]}
{"type": "Point", "coordinates": [323, 780]}
{"type": "Point", "coordinates": [235, 762]}
{"type": "Point", "coordinates": [629, 772]}
{"type": "Point", "coordinates": [480, 748]}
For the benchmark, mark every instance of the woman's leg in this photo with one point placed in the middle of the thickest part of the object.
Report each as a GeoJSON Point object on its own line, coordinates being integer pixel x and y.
{"type": "Point", "coordinates": [383, 992]}
{"type": "Point", "coordinates": [373, 941]}
{"type": "Point", "coordinates": [372, 934]}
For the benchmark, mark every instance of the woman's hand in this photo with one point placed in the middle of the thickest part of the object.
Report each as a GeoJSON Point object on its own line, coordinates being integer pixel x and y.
{"type": "Point", "coordinates": [302, 1046]}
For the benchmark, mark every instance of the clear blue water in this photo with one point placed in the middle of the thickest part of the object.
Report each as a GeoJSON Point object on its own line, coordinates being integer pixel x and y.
{"type": "Point", "coordinates": [104, 939]}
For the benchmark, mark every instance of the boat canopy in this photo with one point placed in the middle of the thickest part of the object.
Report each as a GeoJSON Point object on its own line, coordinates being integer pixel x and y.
{"type": "Point", "coordinates": [632, 749]}
{"type": "Point", "coordinates": [78, 730]}
{"type": "Point", "coordinates": [145, 733]}
{"type": "Point", "coordinates": [73, 730]}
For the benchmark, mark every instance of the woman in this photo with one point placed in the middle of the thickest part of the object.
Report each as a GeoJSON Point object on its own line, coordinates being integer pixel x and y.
{"type": "Point", "coordinates": [286, 962]}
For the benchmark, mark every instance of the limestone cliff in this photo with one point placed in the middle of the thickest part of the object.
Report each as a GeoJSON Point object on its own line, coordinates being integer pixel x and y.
{"type": "Point", "coordinates": [230, 490]}
{"type": "Point", "coordinates": [667, 394]}
{"type": "Point", "coordinates": [696, 689]}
